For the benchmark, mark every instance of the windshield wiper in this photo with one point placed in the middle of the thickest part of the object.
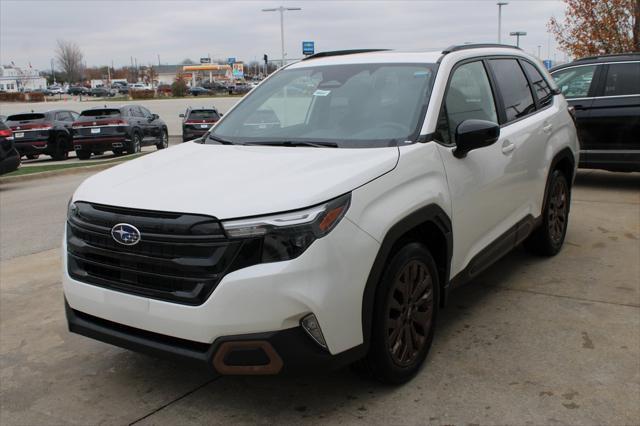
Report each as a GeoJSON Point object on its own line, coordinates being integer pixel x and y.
{"type": "Point", "coordinates": [218, 139]}
{"type": "Point", "coordinates": [297, 143]}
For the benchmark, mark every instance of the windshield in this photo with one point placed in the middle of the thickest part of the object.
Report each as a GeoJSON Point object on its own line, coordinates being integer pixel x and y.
{"type": "Point", "coordinates": [351, 106]}
{"type": "Point", "coordinates": [106, 112]}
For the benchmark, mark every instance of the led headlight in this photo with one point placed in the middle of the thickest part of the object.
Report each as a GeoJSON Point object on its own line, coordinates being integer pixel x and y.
{"type": "Point", "coordinates": [287, 235]}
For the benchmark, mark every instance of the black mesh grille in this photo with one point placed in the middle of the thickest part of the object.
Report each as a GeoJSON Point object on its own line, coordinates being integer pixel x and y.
{"type": "Point", "coordinates": [180, 257]}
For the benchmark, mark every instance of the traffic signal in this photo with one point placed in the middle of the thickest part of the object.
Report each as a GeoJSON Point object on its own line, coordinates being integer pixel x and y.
{"type": "Point", "coordinates": [266, 58]}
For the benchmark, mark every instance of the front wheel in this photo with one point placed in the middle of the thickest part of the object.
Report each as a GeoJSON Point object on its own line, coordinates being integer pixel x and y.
{"type": "Point", "coordinates": [548, 238]}
{"type": "Point", "coordinates": [405, 312]}
{"type": "Point", "coordinates": [164, 140]}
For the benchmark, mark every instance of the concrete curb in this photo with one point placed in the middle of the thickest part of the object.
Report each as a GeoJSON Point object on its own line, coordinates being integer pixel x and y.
{"type": "Point", "coordinates": [63, 172]}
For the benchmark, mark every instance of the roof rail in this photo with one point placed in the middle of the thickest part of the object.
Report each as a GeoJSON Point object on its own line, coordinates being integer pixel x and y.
{"type": "Point", "coordinates": [610, 55]}
{"type": "Point", "coordinates": [342, 52]}
{"type": "Point", "coordinates": [457, 47]}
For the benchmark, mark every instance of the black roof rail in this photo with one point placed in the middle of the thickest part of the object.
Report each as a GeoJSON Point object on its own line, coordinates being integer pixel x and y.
{"type": "Point", "coordinates": [610, 55]}
{"type": "Point", "coordinates": [342, 52]}
{"type": "Point", "coordinates": [458, 47]}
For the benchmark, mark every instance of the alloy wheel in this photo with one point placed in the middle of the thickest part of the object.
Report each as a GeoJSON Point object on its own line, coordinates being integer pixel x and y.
{"type": "Point", "coordinates": [557, 214]}
{"type": "Point", "coordinates": [409, 313]}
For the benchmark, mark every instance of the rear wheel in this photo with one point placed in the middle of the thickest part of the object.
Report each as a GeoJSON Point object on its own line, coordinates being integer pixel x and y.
{"type": "Point", "coordinates": [83, 154]}
{"type": "Point", "coordinates": [548, 238]}
{"type": "Point", "coordinates": [405, 314]}
{"type": "Point", "coordinates": [164, 140]}
{"type": "Point", "coordinates": [135, 144]}
{"type": "Point", "coordinates": [61, 152]}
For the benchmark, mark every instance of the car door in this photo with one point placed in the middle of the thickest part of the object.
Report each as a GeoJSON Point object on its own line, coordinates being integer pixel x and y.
{"type": "Point", "coordinates": [139, 119]}
{"type": "Point", "coordinates": [615, 111]}
{"type": "Point", "coordinates": [478, 183]}
{"type": "Point", "coordinates": [153, 129]}
{"type": "Point", "coordinates": [578, 85]}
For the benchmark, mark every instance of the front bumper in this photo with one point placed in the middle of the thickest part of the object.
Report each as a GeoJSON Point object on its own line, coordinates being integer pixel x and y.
{"type": "Point", "coordinates": [287, 351]}
{"type": "Point", "coordinates": [328, 280]}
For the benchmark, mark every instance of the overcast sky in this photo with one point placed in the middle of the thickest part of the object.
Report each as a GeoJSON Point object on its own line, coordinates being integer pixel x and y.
{"type": "Point", "coordinates": [117, 30]}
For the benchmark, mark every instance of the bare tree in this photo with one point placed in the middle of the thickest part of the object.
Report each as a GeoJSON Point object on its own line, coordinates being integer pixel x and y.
{"type": "Point", "coordinates": [69, 58]}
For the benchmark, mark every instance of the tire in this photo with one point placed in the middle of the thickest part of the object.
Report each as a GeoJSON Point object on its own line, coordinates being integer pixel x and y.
{"type": "Point", "coordinates": [548, 238]}
{"type": "Point", "coordinates": [83, 154]}
{"type": "Point", "coordinates": [135, 144]}
{"type": "Point", "coordinates": [405, 310]}
{"type": "Point", "coordinates": [33, 156]}
{"type": "Point", "coordinates": [61, 153]}
{"type": "Point", "coordinates": [164, 140]}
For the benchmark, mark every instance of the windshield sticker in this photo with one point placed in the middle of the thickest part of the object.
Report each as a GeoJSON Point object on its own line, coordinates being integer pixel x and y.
{"type": "Point", "coordinates": [321, 92]}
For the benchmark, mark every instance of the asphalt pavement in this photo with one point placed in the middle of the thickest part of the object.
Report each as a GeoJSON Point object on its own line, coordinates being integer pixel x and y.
{"type": "Point", "coordinates": [530, 341]}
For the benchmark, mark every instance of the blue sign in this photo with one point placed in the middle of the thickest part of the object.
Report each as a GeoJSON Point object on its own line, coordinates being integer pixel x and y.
{"type": "Point", "coordinates": [548, 63]}
{"type": "Point", "coordinates": [231, 61]}
{"type": "Point", "coordinates": [308, 47]}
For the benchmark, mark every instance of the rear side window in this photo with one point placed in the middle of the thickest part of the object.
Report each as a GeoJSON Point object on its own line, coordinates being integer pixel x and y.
{"type": "Point", "coordinates": [623, 79]}
{"type": "Point", "coordinates": [468, 96]}
{"type": "Point", "coordinates": [540, 85]}
{"type": "Point", "coordinates": [514, 88]}
{"type": "Point", "coordinates": [575, 82]}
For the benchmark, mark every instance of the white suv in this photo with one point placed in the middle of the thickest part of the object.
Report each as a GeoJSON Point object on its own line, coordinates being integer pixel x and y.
{"type": "Point", "coordinates": [326, 218]}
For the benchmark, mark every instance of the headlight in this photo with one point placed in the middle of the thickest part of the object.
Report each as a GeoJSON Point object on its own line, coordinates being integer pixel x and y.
{"type": "Point", "coordinates": [287, 235]}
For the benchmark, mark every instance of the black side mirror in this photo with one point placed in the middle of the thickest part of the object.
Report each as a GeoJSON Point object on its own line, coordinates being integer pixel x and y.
{"type": "Point", "coordinates": [474, 134]}
{"type": "Point", "coordinates": [181, 115]}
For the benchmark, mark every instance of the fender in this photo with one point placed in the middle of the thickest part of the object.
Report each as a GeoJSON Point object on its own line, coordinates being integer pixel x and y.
{"type": "Point", "coordinates": [563, 154]}
{"type": "Point", "coordinates": [432, 214]}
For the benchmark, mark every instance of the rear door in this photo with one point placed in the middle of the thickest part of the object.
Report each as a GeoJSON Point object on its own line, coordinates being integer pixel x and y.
{"type": "Point", "coordinates": [153, 128]}
{"type": "Point", "coordinates": [615, 112]}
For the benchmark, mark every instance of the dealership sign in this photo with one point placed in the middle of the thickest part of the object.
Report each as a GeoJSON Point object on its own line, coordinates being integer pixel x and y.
{"type": "Point", "coordinates": [308, 47]}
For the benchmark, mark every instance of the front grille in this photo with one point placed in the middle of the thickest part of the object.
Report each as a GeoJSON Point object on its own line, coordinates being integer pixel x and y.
{"type": "Point", "coordinates": [179, 258]}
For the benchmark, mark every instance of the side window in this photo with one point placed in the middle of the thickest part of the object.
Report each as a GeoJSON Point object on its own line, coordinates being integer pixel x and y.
{"type": "Point", "coordinates": [468, 97]}
{"type": "Point", "coordinates": [145, 112]}
{"type": "Point", "coordinates": [135, 112]}
{"type": "Point", "coordinates": [540, 85]}
{"type": "Point", "coordinates": [575, 82]}
{"type": "Point", "coordinates": [514, 88]}
{"type": "Point", "coordinates": [623, 79]}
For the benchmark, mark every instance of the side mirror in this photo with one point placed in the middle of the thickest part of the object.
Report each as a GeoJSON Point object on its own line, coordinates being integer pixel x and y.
{"type": "Point", "coordinates": [155, 116]}
{"type": "Point", "coordinates": [474, 134]}
{"type": "Point", "coordinates": [221, 114]}
{"type": "Point", "coordinates": [181, 115]}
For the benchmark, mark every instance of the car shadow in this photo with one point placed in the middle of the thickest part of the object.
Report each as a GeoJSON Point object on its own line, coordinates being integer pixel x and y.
{"type": "Point", "coordinates": [600, 179]}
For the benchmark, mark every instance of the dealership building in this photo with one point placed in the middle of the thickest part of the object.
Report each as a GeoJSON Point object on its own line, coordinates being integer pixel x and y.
{"type": "Point", "coordinates": [17, 79]}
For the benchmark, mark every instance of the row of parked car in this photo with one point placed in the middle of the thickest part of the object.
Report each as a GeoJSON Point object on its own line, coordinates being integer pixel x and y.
{"type": "Point", "coordinates": [123, 129]}
{"type": "Point", "coordinates": [101, 91]}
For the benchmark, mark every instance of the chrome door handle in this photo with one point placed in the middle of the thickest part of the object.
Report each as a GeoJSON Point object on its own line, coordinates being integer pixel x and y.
{"type": "Point", "coordinates": [508, 147]}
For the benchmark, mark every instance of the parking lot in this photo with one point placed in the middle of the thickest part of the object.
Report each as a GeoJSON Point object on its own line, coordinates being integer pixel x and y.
{"type": "Point", "coordinates": [530, 341]}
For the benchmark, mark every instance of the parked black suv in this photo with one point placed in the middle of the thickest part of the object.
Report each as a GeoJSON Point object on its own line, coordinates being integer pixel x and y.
{"type": "Point", "coordinates": [9, 157]}
{"type": "Point", "coordinates": [126, 128]}
{"type": "Point", "coordinates": [78, 90]}
{"type": "Point", "coordinates": [197, 122]}
{"type": "Point", "coordinates": [36, 133]}
{"type": "Point", "coordinates": [605, 93]}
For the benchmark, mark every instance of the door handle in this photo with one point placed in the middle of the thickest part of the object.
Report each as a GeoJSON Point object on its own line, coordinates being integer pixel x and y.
{"type": "Point", "coordinates": [508, 147]}
{"type": "Point", "coordinates": [547, 128]}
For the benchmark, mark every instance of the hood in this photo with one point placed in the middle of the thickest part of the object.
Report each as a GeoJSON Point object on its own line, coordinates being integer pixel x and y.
{"type": "Point", "coordinates": [232, 181]}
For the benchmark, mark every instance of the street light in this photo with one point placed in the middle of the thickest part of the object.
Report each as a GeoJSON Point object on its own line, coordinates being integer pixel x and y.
{"type": "Point", "coordinates": [518, 34]}
{"type": "Point", "coordinates": [281, 9]}
{"type": "Point", "coordinates": [500, 4]}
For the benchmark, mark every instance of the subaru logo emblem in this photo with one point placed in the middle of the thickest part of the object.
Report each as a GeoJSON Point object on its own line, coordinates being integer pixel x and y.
{"type": "Point", "coordinates": [125, 234]}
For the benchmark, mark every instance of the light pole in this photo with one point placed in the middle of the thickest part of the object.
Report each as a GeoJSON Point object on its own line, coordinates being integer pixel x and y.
{"type": "Point", "coordinates": [281, 9]}
{"type": "Point", "coordinates": [518, 34]}
{"type": "Point", "coordinates": [500, 4]}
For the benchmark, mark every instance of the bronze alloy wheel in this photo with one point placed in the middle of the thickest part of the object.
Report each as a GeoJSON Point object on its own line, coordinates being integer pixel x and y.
{"type": "Point", "coordinates": [558, 209]}
{"type": "Point", "coordinates": [409, 313]}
